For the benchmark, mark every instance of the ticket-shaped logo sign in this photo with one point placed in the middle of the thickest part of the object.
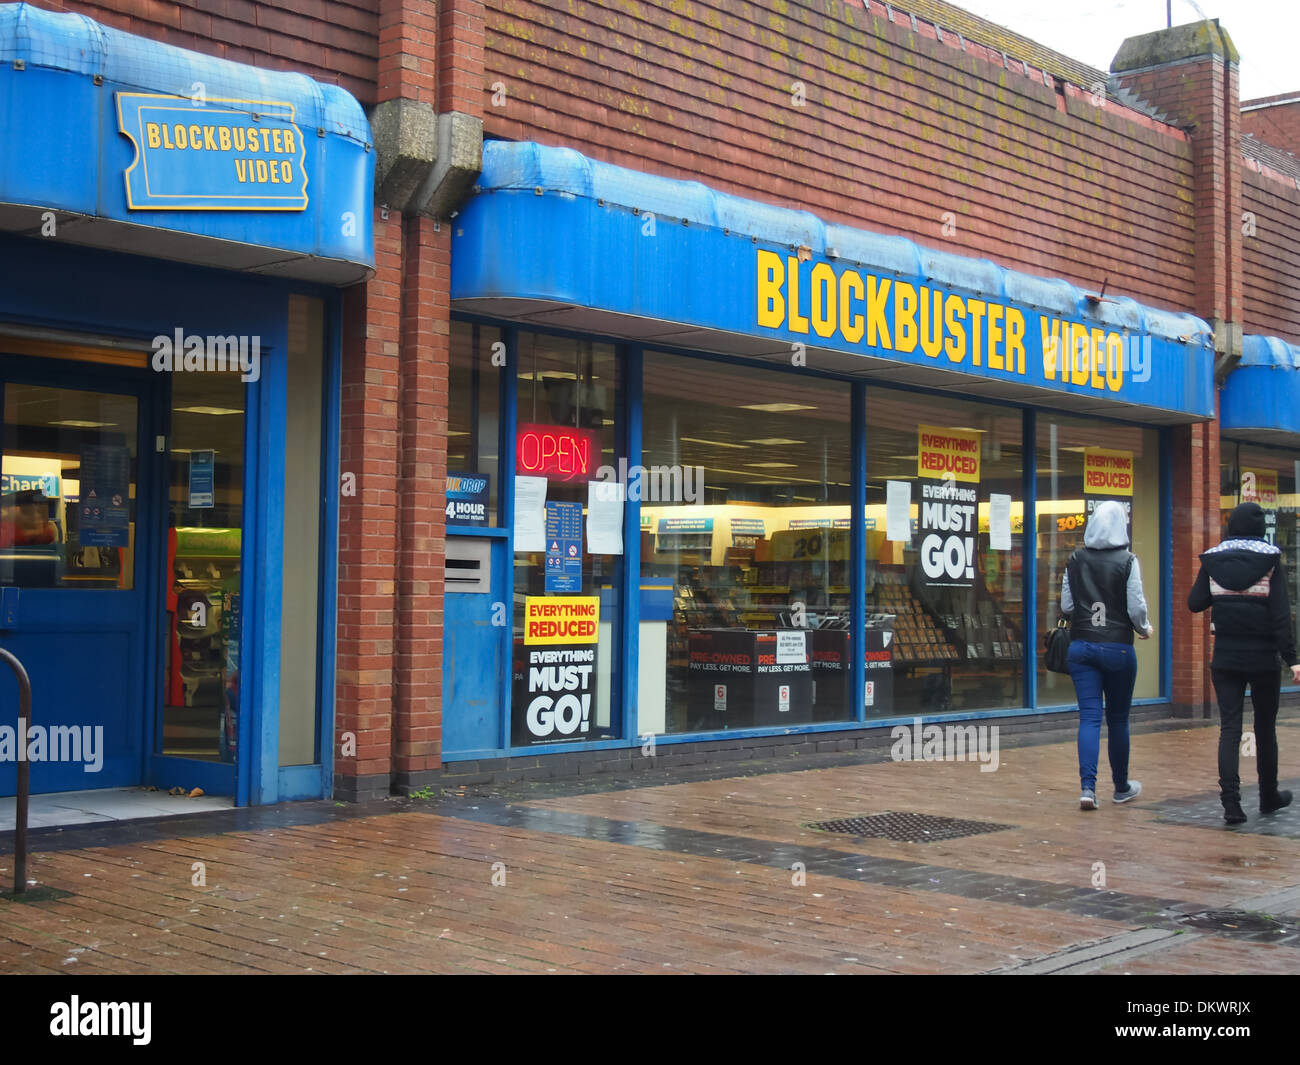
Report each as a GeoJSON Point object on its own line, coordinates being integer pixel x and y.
{"type": "Point", "coordinates": [210, 154]}
{"type": "Point", "coordinates": [1107, 472]}
{"type": "Point", "coordinates": [561, 619]}
{"type": "Point", "coordinates": [947, 453]}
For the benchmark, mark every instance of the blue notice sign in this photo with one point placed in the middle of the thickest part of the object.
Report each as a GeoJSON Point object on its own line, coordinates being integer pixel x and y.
{"type": "Point", "coordinates": [103, 508]}
{"type": "Point", "coordinates": [467, 499]}
{"type": "Point", "coordinates": [563, 547]}
{"type": "Point", "coordinates": [201, 479]}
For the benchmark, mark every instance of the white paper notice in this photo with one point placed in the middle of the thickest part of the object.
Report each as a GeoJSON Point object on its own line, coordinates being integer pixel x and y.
{"type": "Point", "coordinates": [530, 513]}
{"type": "Point", "coordinates": [898, 510]}
{"type": "Point", "coordinates": [999, 522]}
{"type": "Point", "coordinates": [605, 517]}
{"type": "Point", "coordinates": [791, 648]}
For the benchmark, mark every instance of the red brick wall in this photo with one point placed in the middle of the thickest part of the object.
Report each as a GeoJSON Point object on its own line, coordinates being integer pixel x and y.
{"type": "Point", "coordinates": [264, 34]}
{"type": "Point", "coordinates": [422, 477]}
{"type": "Point", "coordinates": [1202, 93]}
{"type": "Point", "coordinates": [897, 129]}
{"type": "Point", "coordinates": [368, 451]}
{"type": "Point", "coordinates": [1271, 256]}
{"type": "Point", "coordinates": [1278, 125]}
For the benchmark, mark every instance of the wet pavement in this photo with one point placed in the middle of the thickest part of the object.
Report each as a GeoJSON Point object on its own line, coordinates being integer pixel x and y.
{"type": "Point", "coordinates": [707, 870]}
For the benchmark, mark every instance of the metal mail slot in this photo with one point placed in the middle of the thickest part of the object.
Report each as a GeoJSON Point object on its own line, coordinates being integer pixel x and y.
{"type": "Point", "coordinates": [468, 565]}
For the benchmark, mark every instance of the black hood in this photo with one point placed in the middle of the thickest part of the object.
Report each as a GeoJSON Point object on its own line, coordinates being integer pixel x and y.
{"type": "Point", "coordinates": [1238, 564]}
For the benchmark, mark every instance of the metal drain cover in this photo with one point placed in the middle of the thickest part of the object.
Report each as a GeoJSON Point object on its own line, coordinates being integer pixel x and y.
{"type": "Point", "coordinates": [908, 828]}
{"type": "Point", "coordinates": [1238, 921]}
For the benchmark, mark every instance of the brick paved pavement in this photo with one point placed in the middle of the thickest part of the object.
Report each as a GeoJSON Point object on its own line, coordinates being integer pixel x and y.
{"type": "Point", "coordinates": [690, 875]}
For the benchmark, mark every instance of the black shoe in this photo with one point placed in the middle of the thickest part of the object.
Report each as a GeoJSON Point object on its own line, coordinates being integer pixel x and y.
{"type": "Point", "coordinates": [1233, 814]}
{"type": "Point", "coordinates": [1277, 801]}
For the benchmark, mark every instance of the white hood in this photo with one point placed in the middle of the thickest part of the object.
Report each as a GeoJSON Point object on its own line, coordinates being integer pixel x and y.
{"type": "Point", "coordinates": [1108, 527]}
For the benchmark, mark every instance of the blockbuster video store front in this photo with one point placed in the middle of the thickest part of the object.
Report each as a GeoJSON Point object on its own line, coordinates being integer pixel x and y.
{"type": "Point", "coordinates": [174, 236]}
{"type": "Point", "coordinates": [719, 467]}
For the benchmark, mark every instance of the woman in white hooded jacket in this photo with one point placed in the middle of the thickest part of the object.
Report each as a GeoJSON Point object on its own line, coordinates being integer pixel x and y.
{"type": "Point", "coordinates": [1101, 594]}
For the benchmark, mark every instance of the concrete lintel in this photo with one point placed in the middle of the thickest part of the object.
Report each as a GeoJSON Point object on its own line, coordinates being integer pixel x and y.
{"type": "Point", "coordinates": [406, 140]}
{"type": "Point", "coordinates": [459, 161]}
{"type": "Point", "coordinates": [1227, 348]}
{"type": "Point", "coordinates": [1195, 39]}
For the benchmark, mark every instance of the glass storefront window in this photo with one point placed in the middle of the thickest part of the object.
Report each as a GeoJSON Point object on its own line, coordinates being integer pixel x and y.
{"type": "Point", "coordinates": [945, 553]}
{"type": "Point", "coordinates": [567, 603]}
{"type": "Point", "coordinates": [204, 539]}
{"type": "Point", "coordinates": [477, 363]}
{"type": "Point", "coordinates": [745, 548]}
{"type": "Point", "coordinates": [67, 497]}
{"type": "Point", "coordinates": [1270, 477]}
{"type": "Point", "coordinates": [1082, 462]}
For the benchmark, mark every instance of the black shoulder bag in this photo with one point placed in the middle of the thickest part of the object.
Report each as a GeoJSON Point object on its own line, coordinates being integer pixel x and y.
{"type": "Point", "coordinates": [1058, 646]}
{"type": "Point", "coordinates": [1057, 641]}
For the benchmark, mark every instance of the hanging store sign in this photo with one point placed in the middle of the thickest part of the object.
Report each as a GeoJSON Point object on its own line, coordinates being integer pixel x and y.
{"type": "Point", "coordinates": [949, 473]}
{"type": "Point", "coordinates": [555, 669]}
{"type": "Point", "coordinates": [557, 452]}
{"type": "Point", "coordinates": [212, 154]}
{"type": "Point", "coordinates": [946, 454]}
{"type": "Point", "coordinates": [561, 619]}
{"type": "Point", "coordinates": [1107, 473]}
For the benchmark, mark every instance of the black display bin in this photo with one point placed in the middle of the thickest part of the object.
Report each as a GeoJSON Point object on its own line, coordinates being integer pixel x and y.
{"type": "Point", "coordinates": [832, 699]}
{"type": "Point", "coordinates": [739, 678]}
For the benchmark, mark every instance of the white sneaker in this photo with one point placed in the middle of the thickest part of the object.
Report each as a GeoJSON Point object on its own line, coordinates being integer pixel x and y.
{"type": "Point", "coordinates": [1088, 799]}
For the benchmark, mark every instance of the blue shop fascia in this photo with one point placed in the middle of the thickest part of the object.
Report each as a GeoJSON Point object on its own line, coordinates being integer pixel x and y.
{"type": "Point", "coordinates": [175, 232]}
{"type": "Point", "coordinates": [751, 473]}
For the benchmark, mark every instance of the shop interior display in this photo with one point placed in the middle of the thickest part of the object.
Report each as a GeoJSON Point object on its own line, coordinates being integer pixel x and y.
{"type": "Point", "coordinates": [772, 584]}
{"type": "Point", "coordinates": [205, 588]}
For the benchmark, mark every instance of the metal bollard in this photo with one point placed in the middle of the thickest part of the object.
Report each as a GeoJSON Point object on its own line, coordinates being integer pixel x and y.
{"type": "Point", "coordinates": [24, 772]}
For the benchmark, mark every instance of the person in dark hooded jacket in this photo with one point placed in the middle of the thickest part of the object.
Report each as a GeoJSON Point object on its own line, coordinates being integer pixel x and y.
{"type": "Point", "coordinates": [1244, 581]}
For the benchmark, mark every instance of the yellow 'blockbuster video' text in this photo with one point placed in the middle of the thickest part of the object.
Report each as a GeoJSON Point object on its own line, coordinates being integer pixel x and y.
{"type": "Point", "coordinates": [858, 309]}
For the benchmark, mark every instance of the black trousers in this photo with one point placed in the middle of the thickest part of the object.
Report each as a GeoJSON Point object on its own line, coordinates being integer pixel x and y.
{"type": "Point", "coordinates": [1265, 687]}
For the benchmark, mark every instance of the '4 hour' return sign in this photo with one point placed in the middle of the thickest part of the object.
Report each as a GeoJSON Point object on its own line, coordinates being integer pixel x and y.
{"type": "Point", "coordinates": [212, 154]}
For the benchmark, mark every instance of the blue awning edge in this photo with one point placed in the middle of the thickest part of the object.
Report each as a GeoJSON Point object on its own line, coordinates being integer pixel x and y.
{"type": "Point", "coordinates": [570, 217]}
{"type": "Point", "coordinates": [1260, 399]}
{"type": "Point", "coordinates": [70, 88]}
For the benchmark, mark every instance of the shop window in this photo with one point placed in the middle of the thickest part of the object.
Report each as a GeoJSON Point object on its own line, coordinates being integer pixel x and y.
{"type": "Point", "coordinates": [1270, 477]}
{"type": "Point", "coordinates": [1082, 462]}
{"type": "Point", "coordinates": [945, 553]}
{"type": "Point", "coordinates": [204, 607]}
{"type": "Point", "coordinates": [568, 560]}
{"type": "Point", "coordinates": [745, 548]}
{"type": "Point", "coordinates": [67, 489]}
{"type": "Point", "coordinates": [477, 365]}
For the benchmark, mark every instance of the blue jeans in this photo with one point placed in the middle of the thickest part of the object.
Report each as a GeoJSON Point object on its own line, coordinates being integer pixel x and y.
{"type": "Point", "coordinates": [1097, 669]}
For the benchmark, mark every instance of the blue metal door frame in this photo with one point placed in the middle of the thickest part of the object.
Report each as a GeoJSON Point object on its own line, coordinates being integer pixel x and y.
{"type": "Point", "coordinates": [141, 681]}
{"type": "Point", "coordinates": [133, 298]}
